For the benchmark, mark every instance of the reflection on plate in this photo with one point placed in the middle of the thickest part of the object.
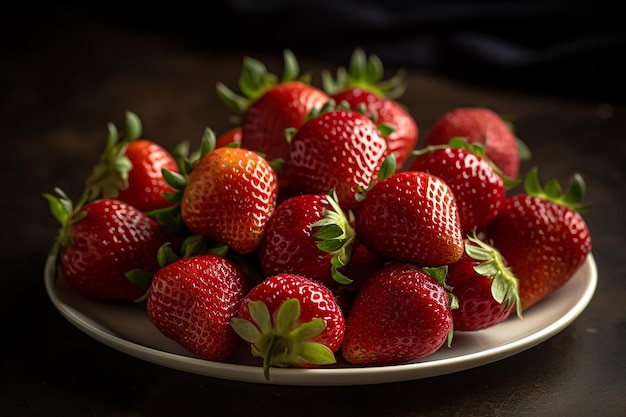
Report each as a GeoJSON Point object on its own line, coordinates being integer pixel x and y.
{"type": "Point", "coordinates": [128, 329]}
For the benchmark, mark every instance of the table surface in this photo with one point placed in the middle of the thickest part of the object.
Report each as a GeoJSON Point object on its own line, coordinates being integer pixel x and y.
{"type": "Point", "coordinates": [58, 92]}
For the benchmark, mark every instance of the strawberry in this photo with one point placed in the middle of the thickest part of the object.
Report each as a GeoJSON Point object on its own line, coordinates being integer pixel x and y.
{"type": "Point", "coordinates": [268, 105]}
{"type": "Point", "coordinates": [478, 188]}
{"type": "Point", "coordinates": [291, 320]}
{"type": "Point", "coordinates": [230, 136]}
{"type": "Point", "coordinates": [130, 169]}
{"type": "Point", "coordinates": [400, 314]}
{"type": "Point", "coordinates": [486, 289]}
{"type": "Point", "coordinates": [411, 216]}
{"type": "Point", "coordinates": [542, 236]}
{"type": "Point", "coordinates": [484, 126]}
{"type": "Point", "coordinates": [336, 149]}
{"type": "Point", "coordinates": [100, 242]}
{"type": "Point", "coordinates": [192, 300]}
{"type": "Point", "coordinates": [308, 235]}
{"type": "Point", "coordinates": [363, 85]}
{"type": "Point", "coordinates": [228, 194]}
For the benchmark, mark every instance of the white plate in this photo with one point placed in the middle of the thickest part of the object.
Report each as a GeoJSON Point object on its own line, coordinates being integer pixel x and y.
{"type": "Point", "coordinates": [128, 329]}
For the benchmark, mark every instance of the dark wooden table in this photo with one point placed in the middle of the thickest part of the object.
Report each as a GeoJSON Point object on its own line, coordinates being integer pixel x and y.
{"type": "Point", "coordinates": [59, 88]}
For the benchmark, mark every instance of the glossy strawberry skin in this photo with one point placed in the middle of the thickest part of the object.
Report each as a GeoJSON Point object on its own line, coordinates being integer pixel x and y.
{"type": "Point", "coordinates": [411, 216]}
{"type": "Point", "coordinates": [145, 180]}
{"type": "Point", "coordinates": [479, 125]}
{"type": "Point", "coordinates": [112, 239]}
{"type": "Point", "coordinates": [192, 301]}
{"type": "Point", "coordinates": [316, 300]}
{"type": "Point", "coordinates": [403, 139]}
{"type": "Point", "coordinates": [289, 244]}
{"type": "Point", "coordinates": [478, 190]}
{"type": "Point", "coordinates": [543, 242]}
{"type": "Point", "coordinates": [400, 314]}
{"type": "Point", "coordinates": [233, 135]}
{"type": "Point", "coordinates": [230, 197]}
{"type": "Point", "coordinates": [283, 106]}
{"type": "Point", "coordinates": [340, 150]}
{"type": "Point", "coordinates": [477, 308]}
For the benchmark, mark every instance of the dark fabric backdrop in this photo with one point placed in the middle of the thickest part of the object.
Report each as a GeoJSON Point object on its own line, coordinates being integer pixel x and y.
{"type": "Point", "coordinates": [567, 47]}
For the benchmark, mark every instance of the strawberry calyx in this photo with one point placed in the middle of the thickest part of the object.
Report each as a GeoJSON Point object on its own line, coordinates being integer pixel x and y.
{"type": "Point", "coordinates": [336, 237]}
{"type": "Point", "coordinates": [287, 342]}
{"type": "Point", "coordinates": [551, 190]}
{"type": "Point", "coordinates": [478, 149]}
{"type": "Point", "coordinates": [110, 174]}
{"type": "Point", "coordinates": [255, 80]}
{"type": "Point", "coordinates": [66, 213]}
{"type": "Point", "coordinates": [504, 285]}
{"type": "Point", "coordinates": [365, 73]}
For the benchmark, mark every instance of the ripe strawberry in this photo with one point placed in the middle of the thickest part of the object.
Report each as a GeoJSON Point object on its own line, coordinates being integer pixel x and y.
{"type": "Point", "coordinates": [308, 235]}
{"type": "Point", "coordinates": [291, 320]}
{"type": "Point", "coordinates": [230, 136]}
{"type": "Point", "coordinates": [486, 289]}
{"type": "Point", "coordinates": [229, 195]}
{"type": "Point", "coordinates": [100, 242]}
{"type": "Point", "coordinates": [542, 236]}
{"type": "Point", "coordinates": [337, 149]}
{"type": "Point", "coordinates": [478, 189]}
{"type": "Point", "coordinates": [130, 169]}
{"type": "Point", "coordinates": [411, 216]}
{"type": "Point", "coordinates": [192, 300]}
{"type": "Point", "coordinates": [400, 314]}
{"type": "Point", "coordinates": [484, 126]}
{"type": "Point", "coordinates": [269, 105]}
{"type": "Point", "coordinates": [363, 84]}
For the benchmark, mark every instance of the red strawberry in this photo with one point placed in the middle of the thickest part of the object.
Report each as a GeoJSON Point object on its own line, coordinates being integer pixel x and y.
{"type": "Point", "coordinates": [229, 196]}
{"type": "Point", "coordinates": [146, 186]}
{"type": "Point", "coordinates": [411, 216]}
{"type": "Point", "coordinates": [230, 136]}
{"type": "Point", "coordinates": [363, 84]}
{"type": "Point", "coordinates": [291, 320]}
{"type": "Point", "coordinates": [486, 289]}
{"type": "Point", "coordinates": [308, 235]}
{"type": "Point", "coordinates": [542, 236]}
{"type": "Point", "coordinates": [268, 105]}
{"type": "Point", "coordinates": [130, 169]}
{"type": "Point", "coordinates": [400, 314]}
{"type": "Point", "coordinates": [100, 242]}
{"type": "Point", "coordinates": [283, 106]}
{"type": "Point", "coordinates": [337, 149]}
{"type": "Point", "coordinates": [484, 126]}
{"type": "Point", "coordinates": [478, 189]}
{"type": "Point", "coordinates": [192, 301]}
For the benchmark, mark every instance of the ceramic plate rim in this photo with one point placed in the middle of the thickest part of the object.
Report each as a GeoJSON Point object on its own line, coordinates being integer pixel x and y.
{"type": "Point", "coordinates": [577, 293]}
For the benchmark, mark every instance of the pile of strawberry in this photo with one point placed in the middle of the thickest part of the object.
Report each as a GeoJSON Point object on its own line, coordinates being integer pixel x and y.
{"type": "Point", "coordinates": [317, 228]}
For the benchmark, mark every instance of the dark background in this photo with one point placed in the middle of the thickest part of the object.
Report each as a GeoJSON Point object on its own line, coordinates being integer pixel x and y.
{"type": "Point", "coordinates": [571, 48]}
